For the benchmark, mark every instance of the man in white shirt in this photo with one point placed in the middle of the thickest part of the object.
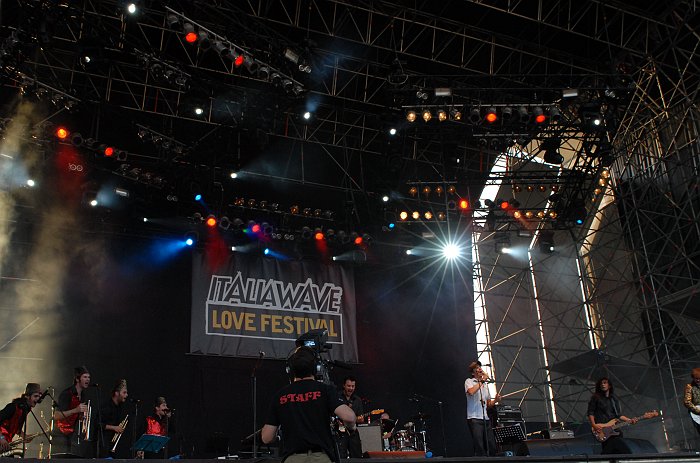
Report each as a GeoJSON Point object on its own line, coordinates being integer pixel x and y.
{"type": "Point", "coordinates": [478, 400]}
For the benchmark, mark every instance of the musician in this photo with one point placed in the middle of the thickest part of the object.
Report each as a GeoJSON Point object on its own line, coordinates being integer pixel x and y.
{"type": "Point", "coordinates": [113, 414]}
{"type": "Point", "coordinates": [604, 407]}
{"type": "Point", "coordinates": [478, 401]}
{"type": "Point", "coordinates": [158, 424]}
{"type": "Point", "coordinates": [691, 397]}
{"type": "Point", "coordinates": [71, 410]}
{"type": "Point", "coordinates": [349, 444]}
{"type": "Point", "coordinates": [13, 416]}
{"type": "Point", "coordinates": [302, 410]}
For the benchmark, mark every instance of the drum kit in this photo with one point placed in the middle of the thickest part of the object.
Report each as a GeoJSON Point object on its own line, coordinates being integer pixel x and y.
{"type": "Point", "coordinates": [411, 438]}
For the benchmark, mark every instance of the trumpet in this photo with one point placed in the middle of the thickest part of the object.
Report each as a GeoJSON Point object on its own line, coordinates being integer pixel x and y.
{"type": "Point", "coordinates": [117, 436]}
{"type": "Point", "coordinates": [85, 422]}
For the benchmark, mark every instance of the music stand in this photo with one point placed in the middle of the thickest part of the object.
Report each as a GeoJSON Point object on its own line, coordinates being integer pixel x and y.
{"type": "Point", "coordinates": [509, 434]}
{"type": "Point", "coordinates": [151, 443]}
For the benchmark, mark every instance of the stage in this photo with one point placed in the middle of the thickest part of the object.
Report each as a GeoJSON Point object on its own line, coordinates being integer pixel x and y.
{"type": "Point", "coordinates": [411, 457]}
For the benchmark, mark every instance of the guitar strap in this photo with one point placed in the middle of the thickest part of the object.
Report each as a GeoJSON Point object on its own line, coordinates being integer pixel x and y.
{"type": "Point", "coordinates": [613, 402]}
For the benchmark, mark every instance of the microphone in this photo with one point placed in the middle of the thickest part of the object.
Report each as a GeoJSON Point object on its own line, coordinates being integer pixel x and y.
{"type": "Point", "coordinates": [261, 354]}
{"type": "Point", "coordinates": [94, 385]}
{"type": "Point", "coordinates": [487, 381]}
{"type": "Point", "coordinates": [134, 401]}
{"type": "Point", "coordinates": [44, 394]}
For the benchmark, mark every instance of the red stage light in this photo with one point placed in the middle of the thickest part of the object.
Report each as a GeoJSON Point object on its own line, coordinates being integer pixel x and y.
{"type": "Point", "coordinates": [211, 221]}
{"type": "Point", "coordinates": [62, 133]}
{"type": "Point", "coordinates": [191, 37]}
{"type": "Point", "coordinates": [540, 118]}
{"type": "Point", "coordinates": [463, 204]}
{"type": "Point", "coordinates": [318, 236]}
{"type": "Point", "coordinates": [504, 205]}
{"type": "Point", "coordinates": [108, 151]}
{"type": "Point", "coordinates": [239, 60]}
{"type": "Point", "coordinates": [491, 117]}
{"type": "Point", "coordinates": [358, 240]}
{"type": "Point", "coordinates": [255, 228]}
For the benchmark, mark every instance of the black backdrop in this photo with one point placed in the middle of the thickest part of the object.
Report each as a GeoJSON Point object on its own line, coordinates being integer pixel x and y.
{"type": "Point", "coordinates": [124, 312]}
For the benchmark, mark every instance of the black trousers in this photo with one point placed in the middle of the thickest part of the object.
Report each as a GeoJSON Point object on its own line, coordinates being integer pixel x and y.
{"type": "Point", "coordinates": [349, 445]}
{"type": "Point", "coordinates": [482, 434]}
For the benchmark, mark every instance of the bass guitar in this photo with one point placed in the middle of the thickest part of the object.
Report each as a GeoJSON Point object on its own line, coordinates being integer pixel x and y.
{"type": "Point", "coordinates": [695, 418]}
{"type": "Point", "coordinates": [340, 426]}
{"type": "Point", "coordinates": [610, 428]}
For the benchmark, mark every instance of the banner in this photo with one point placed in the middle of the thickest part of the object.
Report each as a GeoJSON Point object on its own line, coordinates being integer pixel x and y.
{"type": "Point", "coordinates": [250, 304]}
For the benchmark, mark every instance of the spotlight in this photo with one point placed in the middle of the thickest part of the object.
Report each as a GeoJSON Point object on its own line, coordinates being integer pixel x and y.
{"type": "Point", "coordinates": [427, 115]}
{"type": "Point", "coordinates": [306, 233]}
{"type": "Point", "coordinates": [538, 115]}
{"type": "Point", "coordinates": [456, 114]}
{"type": "Point", "coordinates": [463, 204]}
{"type": "Point", "coordinates": [385, 198]}
{"type": "Point", "coordinates": [507, 114]}
{"type": "Point", "coordinates": [403, 215]}
{"type": "Point", "coordinates": [190, 34]}
{"type": "Point", "coordinates": [554, 114]}
{"type": "Point", "coordinates": [198, 110]}
{"type": "Point", "coordinates": [108, 151]}
{"type": "Point", "coordinates": [415, 215]}
{"type": "Point", "coordinates": [224, 223]}
{"type": "Point", "coordinates": [62, 133]}
{"type": "Point", "coordinates": [30, 182]}
{"type": "Point", "coordinates": [392, 131]}
{"type": "Point", "coordinates": [318, 235]}
{"type": "Point", "coordinates": [198, 197]}
{"type": "Point", "coordinates": [522, 114]}
{"type": "Point", "coordinates": [131, 8]}
{"type": "Point", "coordinates": [211, 221]}
{"type": "Point", "coordinates": [475, 116]}
{"type": "Point", "coordinates": [233, 174]}
{"type": "Point", "coordinates": [491, 115]}
{"type": "Point", "coordinates": [239, 60]}
{"type": "Point", "coordinates": [307, 115]}
{"type": "Point", "coordinates": [546, 241]}
{"type": "Point", "coordinates": [442, 115]}
{"type": "Point", "coordinates": [411, 116]}
{"type": "Point", "coordinates": [428, 215]}
{"type": "Point", "coordinates": [358, 240]}
{"type": "Point", "coordinates": [451, 251]}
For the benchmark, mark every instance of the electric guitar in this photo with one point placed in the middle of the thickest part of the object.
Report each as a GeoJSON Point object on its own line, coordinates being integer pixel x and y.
{"type": "Point", "coordinates": [611, 427]}
{"type": "Point", "coordinates": [340, 426]}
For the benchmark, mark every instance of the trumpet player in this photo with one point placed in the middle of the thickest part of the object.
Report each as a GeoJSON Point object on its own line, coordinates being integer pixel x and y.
{"type": "Point", "coordinates": [114, 421]}
{"type": "Point", "coordinates": [72, 416]}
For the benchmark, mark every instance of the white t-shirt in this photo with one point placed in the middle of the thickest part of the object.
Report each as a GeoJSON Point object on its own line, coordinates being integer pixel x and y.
{"type": "Point", "coordinates": [474, 406]}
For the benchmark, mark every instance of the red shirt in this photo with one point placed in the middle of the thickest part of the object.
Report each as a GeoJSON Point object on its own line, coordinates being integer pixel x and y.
{"type": "Point", "coordinates": [12, 418]}
{"type": "Point", "coordinates": [157, 426]}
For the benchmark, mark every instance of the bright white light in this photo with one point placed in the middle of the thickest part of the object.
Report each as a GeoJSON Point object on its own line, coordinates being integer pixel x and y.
{"type": "Point", "coordinates": [335, 258]}
{"type": "Point", "coordinates": [30, 182]}
{"type": "Point", "coordinates": [93, 203]}
{"type": "Point", "coordinates": [409, 252]}
{"type": "Point", "coordinates": [392, 131]}
{"type": "Point", "coordinates": [451, 251]}
{"type": "Point", "coordinates": [131, 8]}
{"type": "Point", "coordinates": [198, 111]}
{"type": "Point", "coordinates": [145, 219]}
{"type": "Point", "coordinates": [596, 121]}
{"type": "Point", "coordinates": [385, 198]}
{"type": "Point", "coordinates": [233, 248]}
{"type": "Point", "coordinates": [505, 250]}
{"type": "Point", "coordinates": [234, 174]}
{"type": "Point", "coordinates": [307, 115]}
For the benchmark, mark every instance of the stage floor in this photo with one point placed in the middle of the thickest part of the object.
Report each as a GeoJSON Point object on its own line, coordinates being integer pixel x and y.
{"type": "Point", "coordinates": [412, 457]}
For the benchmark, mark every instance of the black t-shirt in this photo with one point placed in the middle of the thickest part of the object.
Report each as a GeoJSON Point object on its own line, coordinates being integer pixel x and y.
{"type": "Point", "coordinates": [303, 409]}
{"type": "Point", "coordinates": [603, 408]}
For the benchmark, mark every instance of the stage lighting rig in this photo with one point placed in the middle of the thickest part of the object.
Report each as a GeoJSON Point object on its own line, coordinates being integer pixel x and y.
{"type": "Point", "coordinates": [252, 64]}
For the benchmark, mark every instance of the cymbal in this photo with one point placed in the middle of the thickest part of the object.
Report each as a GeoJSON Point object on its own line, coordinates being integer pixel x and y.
{"type": "Point", "coordinates": [408, 424]}
{"type": "Point", "coordinates": [421, 416]}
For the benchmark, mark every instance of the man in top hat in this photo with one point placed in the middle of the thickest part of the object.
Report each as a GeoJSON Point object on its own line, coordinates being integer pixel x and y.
{"type": "Point", "coordinates": [13, 416]}
{"type": "Point", "coordinates": [478, 401]}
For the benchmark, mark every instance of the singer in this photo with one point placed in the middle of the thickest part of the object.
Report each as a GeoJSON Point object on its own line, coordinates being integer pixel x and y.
{"type": "Point", "coordinates": [14, 414]}
{"type": "Point", "coordinates": [478, 401]}
{"type": "Point", "coordinates": [159, 423]}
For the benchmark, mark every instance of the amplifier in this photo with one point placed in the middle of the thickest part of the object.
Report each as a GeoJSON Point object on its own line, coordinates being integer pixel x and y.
{"type": "Point", "coordinates": [559, 434]}
{"type": "Point", "coordinates": [508, 413]}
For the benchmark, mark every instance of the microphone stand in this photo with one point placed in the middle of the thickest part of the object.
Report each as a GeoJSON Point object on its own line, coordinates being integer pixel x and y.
{"type": "Point", "coordinates": [442, 423]}
{"type": "Point", "coordinates": [133, 428]}
{"type": "Point", "coordinates": [254, 386]}
{"type": "Point", "coordinates": [54, 406]}
{"type": "Point", "coordinates": [484, 417]}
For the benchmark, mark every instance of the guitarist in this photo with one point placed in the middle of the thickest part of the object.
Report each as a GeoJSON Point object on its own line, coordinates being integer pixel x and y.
{"type": "Point", "coordinates": [691, 398]}
{"type": "Point", "coordinates": [13, 416]}
{"type": "Point", "coordinates": [604, 407]}
{"type": "Point", "coordinates": [349, 444]}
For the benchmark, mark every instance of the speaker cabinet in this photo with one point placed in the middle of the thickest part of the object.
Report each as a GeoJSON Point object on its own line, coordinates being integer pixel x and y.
{"type": "Point", "coordinates": [371, 437]}
{"type": "Point", "coordinates": [636, 446]}
{"type": "Point", "coordinates": [559, 447]}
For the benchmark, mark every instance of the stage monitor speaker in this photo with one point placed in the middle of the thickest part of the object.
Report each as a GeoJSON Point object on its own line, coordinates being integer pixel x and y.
{"type": "Point", "coordinates": [636, 446]}
{"type": "Point", "coordinates": [371, 437]}
{"type": "Point", "coordinates": [559, 447]}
